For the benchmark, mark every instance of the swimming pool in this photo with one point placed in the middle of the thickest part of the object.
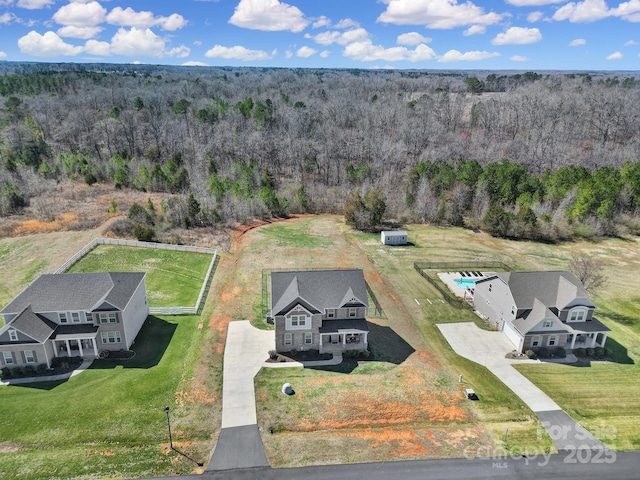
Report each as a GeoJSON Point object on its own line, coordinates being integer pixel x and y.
{"type": "Point", "coordinates": [465, 282]}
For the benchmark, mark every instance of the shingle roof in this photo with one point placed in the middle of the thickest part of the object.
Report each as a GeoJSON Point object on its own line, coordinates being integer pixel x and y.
{"type": "Point", "coordinates": [33, 325]}
{"type": "Point", "coordinates": [334, 326]}
{"type": "Point", "coordinates": [535, 316]}
{"type": "Point", "coordinates": [76, 291]}
{"type": "Point", "coordinates": [552, 288]}
{"type": "Point", "coordinates": [319, 289]}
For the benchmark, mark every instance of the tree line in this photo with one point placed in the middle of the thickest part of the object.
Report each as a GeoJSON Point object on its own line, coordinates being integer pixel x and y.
{"type": "Point", "coordinates": [524, 155]}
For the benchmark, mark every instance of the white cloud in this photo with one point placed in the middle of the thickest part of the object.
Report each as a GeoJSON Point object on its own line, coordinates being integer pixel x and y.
{"type": "Point", "coordinates": [321, 22]}
{"type": "Point", "coordinates": [347, 23]}
{"type": "Point", "coordinates": [83, 33]}
{"type": "Point", "coordinates": [47, 45]}
{"type": "Point", "coordinates": [341, 38]}
{"type": "Point", "coordinates": [532, 3]}
{"type": "Point", "coordinates": [518, 36]}
{"type": "Point", "coordinates": [325, 53]}
{"type": "Point", "coordinates": [474, 30]}
{"type": "Point", "coordinates": [288, 54]}
{"type": "Point", "coordinates": [366, 51]}
{"type": "Point", "coordinates": [630, 43]}
{"type": "Point", "coordinates": [2, 54]}
{"type": "Point", "coordinates": [534, 17]}
{"type": "Point", "coordinates": [194, 63]}
{"type": "Point", "coordinates": [34, 4]}
{"type": "Point", "coordinates": [180, 52]}
{"type": "Point", "coordinates": [629, 11]}
{"type": "Point", "coordinates": [237, 53]}
{"type": "Point", "coordinates": [128, 17]}
{"type": "Point", "coordinates": [77, 14]}
{"type": "Point", "coordinates": [582, 12]}
{"type": "Point", "coordinates": [578, 42]}
{"type": "Point", "coordinates": [438, 14]}
{"type": "Point", "coordinates": [305, 52]}
{"type": "Point", "coordinates": [473, 56]}
{"type": "Point", "coordinates": [94, 47]}
{"type": "Point", "coordinates": [7, 18]}
{"type": "Point", "coordinates": [137, 42]}
{"type": "Point", "coordinates": [520, 58]}
{"type": "Point", "coordinates": [615, 56]}
{"type": "Point", "coordinates": [268, 15]}
{"type": "Point", "coordinates": [412, 38]}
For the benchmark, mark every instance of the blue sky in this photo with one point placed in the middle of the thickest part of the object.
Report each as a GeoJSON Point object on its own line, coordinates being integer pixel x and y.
{"type": "Point", "coordinates": [420, 34]}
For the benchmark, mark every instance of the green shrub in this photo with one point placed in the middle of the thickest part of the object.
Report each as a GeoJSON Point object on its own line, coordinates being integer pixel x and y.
{"type": "Point", "coordinates": [530, 353]}
{"type": "Point", "coordinates": [29, 371]}
{"type": "Point", "coordinates": [41, 369]}
{"type": "Point", "coordinates": [580, 352]}
{"type": "Point", "coordinates": [600, 352]}
{"type": "Point", "coordinates": [273, 354]}
{"type": "Point", "coordinates": [559, 352]}
{"type": "Point", "coordinates": [17, 372]}
{"type": "Point", "coordinates": [591, 352]}
{"type": "Point", "coordinates": [543, 352]}
{"type": "Point", "coordinates": [5, 373]}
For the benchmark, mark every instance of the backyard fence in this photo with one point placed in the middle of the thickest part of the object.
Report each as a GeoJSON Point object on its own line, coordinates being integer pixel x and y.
{"type": "Point", "coordinates": [180, 310]}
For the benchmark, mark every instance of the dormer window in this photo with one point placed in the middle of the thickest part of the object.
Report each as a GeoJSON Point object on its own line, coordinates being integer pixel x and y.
{"type": "Point", "coordinates": [63, 317]}
{"type": "Point", "coordinates": [13, 335]}
{"type": "Point", "coordinates": [352, 312]}
{"type": "Point", "coordinates": [548, 323]}
{"type": "Point", "coordinates": [298, 320]}
{"type": "Point", "coordinates": [577, 315]}
{"type": "Point", "coordinates": [331, 312]}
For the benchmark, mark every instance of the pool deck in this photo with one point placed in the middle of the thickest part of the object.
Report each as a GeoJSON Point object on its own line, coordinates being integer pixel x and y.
{"type": "Point", "coordinates": [449, 279]}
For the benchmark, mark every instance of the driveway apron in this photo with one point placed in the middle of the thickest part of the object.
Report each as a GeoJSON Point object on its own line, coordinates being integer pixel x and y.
{"type": "Point", "coordinates": [489, 349]}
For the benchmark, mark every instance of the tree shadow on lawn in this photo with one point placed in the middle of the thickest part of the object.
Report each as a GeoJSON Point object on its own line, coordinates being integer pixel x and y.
{"type": "Point", "coordinates": [385, 346]}
{"type": "Point", "coordinates": [151, 343]}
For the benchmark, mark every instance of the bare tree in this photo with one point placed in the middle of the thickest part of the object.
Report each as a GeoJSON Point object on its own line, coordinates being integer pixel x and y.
{"type": "Point", "coordinates": [588, 271]}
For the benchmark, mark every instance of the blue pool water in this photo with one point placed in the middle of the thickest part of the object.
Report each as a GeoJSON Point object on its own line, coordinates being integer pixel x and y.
{"type": "Point", "coordinates": [465, 282]}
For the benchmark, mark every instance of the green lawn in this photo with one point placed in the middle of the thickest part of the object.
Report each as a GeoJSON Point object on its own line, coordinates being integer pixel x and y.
{"type": "Point", "coordinates": [108, 421]}
{"type": "Point", "coordinates": [174, 278]}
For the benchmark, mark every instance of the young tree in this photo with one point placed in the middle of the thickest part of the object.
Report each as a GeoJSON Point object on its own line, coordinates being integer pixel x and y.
{"type": "Point", "coordinates": [588, 271]}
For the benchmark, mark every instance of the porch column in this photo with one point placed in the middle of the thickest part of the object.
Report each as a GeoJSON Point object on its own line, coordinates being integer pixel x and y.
{"type": "Point", "coordinates": [55, 349]}
{"type": "Point", "coordinates": [595, 337]}
{"type": "Point", "coordinates": [344, 339]}
{"type": "Point", "coordinates": [321, 339]}
{"type": "Point", "coordinates": [366, 339]}
{"type": "Point", "coordinates": [573, 340]}
{"type": "Point", "coordinates": [80, 346]}
{"type": "Point", "coordinates": [68, 348]}
{"type": "Point", "coordinates": [95, 349]}
{"type": "Point", "coordinates": [604, 338]}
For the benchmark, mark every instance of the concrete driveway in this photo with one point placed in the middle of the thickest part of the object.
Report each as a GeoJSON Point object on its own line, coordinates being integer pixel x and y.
{"type": "Point", "coordinates": [489, 349]}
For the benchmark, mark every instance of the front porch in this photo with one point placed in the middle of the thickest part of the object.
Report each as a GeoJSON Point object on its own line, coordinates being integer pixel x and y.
{"type": "Point", "coordinates": [589, 334]}
{"type": "Point", "coordinates": [74, 341]}
{"type": "Point", "coordinates": [341, 336]}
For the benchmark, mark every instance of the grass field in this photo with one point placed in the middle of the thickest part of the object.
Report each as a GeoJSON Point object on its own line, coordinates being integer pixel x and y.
{"type": "Point", "coordinates": [174, 278]}
{"type": "Point", "coordinates": [109, 421]}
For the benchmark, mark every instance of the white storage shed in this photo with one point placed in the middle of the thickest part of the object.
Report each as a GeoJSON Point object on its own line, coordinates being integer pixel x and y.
{"type": "Point", "coordinates": [394, 237]}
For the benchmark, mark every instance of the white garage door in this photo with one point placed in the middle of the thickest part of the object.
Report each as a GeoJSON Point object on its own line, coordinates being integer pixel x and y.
{"type": "Point", "coordinates": [513, 335]}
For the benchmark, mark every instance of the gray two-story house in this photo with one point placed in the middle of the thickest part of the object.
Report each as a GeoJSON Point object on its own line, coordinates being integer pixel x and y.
{"type": "Point", "coordinates": [72, 314]}
{"type": "Point", "coordinates": [322, 310]}
{"type": "Point", "coordinates": [540, 309]}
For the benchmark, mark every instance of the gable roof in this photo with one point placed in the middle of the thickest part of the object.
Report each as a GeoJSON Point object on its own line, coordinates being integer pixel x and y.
{"type": "Point", "coordinates": [532, 318]}
{"type": "Point", "coordinates": [33, 325]}
{"type": "Point", "coordinates": [317, 290]}
{"type": "Point", "coordinates": [76, 291]}
{"type": "Point", "coordinates": [553, 288]}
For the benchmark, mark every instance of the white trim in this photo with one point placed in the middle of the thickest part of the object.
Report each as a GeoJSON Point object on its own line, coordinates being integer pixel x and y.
{"type": "Point", "coordinates": [555, 339]}
{"type": "Point", "coordinates": [33, 356]}
{"type": "Point", "coordinates": [535, 340]}
{"type": "Point", "coordinates": [13, 335]}
{"type": "Point", "coordinates": [577, 311]}
{"type": "Point", "coordinates": [288, 338]}
{"type": "Point", "coordinates": [8, 358]}
{"type": "Point", "coordinates": [308, 338]}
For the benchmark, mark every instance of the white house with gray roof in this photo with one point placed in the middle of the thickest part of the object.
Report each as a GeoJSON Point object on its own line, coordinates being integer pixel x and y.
{"type": "Point", "coordinates": [320, 310]}
{"type": "Point", "coordinates": [540, 309]}
{"type": "Point", "coordinates": [72, 314]}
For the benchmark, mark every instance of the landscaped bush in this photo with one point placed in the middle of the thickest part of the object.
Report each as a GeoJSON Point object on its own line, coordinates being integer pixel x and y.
{"type": "Point", "coordinates": [580, 352]}
{"type": "Point", "coordinates": [17, 372]}
{"type": "Point", "coordinates": [5, 373]}
{"type": "Point", "coordinates": [601, 352]}
{"type": "Point", "coordinates": [293, 352]}
{"type": "Point", "coordinates": [530, 353]}
{"type": "Point", "coordinates": [543, 352]}
{"type": "Point", "coordinates": [41, 369]}
{"type": "Point", "coordinates": [273, 354]}
{"type": "Point", "coordinates": [591, 352]}
{"type": "Point", "coordinates": [559, 352]}
{"type": "Point", "coordinates": [29, 371]}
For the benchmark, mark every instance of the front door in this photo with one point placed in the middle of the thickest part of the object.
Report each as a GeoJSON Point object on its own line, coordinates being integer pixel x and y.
{"type": "Point", "coordinates": [335, 338]}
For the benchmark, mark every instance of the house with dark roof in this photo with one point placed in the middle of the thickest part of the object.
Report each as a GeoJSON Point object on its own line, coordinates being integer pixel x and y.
{"type": "Point", "coordinates": [540, 309]}
{"type": "Point", "coordinates": [320, 310]}
{"type": "Point", "coordinates": [72, 314]}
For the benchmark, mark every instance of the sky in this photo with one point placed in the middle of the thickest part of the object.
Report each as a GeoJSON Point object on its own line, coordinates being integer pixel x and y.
{"type": "Point", "coordinates": [383, 34]}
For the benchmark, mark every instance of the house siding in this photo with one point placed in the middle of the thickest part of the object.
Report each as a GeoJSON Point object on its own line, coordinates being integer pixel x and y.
{"type": "Point", "coordinates": [495, 304]}
{"type": "Point", "coordinates": [18, 354]}
{"type": "Point", "coordinates": [134, 314]}
{"type": "Point", "coordinates": [297, 340]}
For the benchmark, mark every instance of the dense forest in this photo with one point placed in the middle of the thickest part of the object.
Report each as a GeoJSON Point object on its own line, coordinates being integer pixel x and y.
{"type": "Point", "coordinates": [525, 155]}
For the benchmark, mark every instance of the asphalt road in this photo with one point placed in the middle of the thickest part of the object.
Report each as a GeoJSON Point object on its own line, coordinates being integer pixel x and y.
{"type": "Point", "coordinates": [571, 465]}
